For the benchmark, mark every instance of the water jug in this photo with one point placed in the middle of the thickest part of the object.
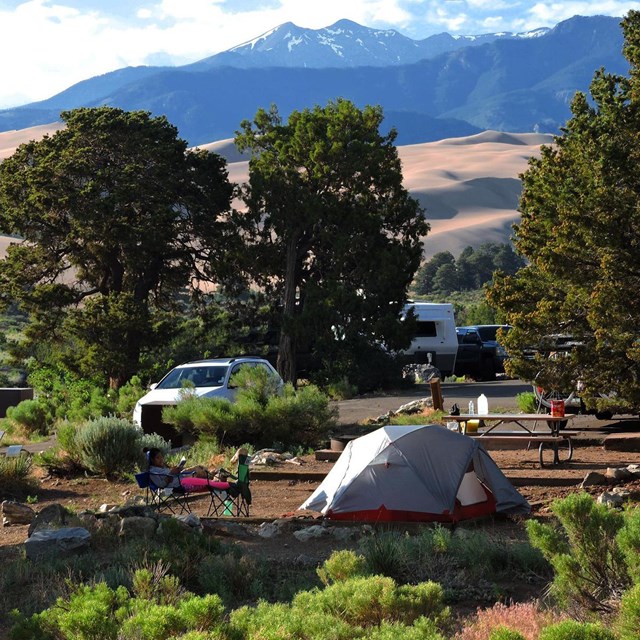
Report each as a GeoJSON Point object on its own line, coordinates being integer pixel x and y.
{"type": "Point", "coordinates": [483, 405]}
{"type": "Point", "coordinates": [471, 408]}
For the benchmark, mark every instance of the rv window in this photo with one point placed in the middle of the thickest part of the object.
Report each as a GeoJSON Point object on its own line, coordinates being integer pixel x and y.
{"type": "Point", "coordinates": [426, 329]}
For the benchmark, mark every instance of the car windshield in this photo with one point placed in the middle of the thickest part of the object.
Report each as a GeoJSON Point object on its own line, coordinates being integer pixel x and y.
{"type": "Point", "coordinates": [200, 376]}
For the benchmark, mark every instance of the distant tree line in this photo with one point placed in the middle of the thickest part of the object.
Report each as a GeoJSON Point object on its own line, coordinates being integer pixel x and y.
{"type": "Point", "coordinates": [444, 274]}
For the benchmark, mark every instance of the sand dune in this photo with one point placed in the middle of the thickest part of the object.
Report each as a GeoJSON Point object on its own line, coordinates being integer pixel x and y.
{"type": "Point", "coordinates": [468, 186]}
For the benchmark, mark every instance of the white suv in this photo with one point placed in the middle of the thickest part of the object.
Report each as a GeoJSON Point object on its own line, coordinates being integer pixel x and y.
{"type": "Point", "coordinates": [209, 377]}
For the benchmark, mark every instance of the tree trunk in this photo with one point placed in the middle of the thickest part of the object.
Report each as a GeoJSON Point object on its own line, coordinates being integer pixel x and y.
{"type": "Point", "coordinates": [287, 348]}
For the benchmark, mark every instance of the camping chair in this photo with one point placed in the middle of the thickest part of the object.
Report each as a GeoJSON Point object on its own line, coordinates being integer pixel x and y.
{"type": "Point", "coordinates": [161, 498]}
{"type": "Point", "coordinates": [244, 499]}
{"type": "Point", "coordinates": [223, 495]}
{"type": "Point", "coordinates": [238, 499]}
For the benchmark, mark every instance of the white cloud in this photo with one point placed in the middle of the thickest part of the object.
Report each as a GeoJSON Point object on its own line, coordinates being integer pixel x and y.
{"type": "Point", "coordinates": [550, 13]}
{"type": "Point", "coordinates": [48, 45]}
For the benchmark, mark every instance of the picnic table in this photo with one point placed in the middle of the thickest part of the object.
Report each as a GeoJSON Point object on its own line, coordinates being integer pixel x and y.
{"type": "Point", "coordinates": [553, 446]}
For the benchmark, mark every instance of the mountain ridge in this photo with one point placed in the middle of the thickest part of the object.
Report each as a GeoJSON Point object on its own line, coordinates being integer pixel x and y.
{"type": "Point", "coordinates": [523, 84]}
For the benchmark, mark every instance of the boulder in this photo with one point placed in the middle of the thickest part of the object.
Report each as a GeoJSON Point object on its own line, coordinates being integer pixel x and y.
{"type": "Point", "coordinates": [315, 531]}
{"type": "Point", "coordinates": [344, 533]}
{"type": "Point", "coordinates": [57, 542]}
{"type": "Point", "coordinates": [618, 473]}
{"type": "Point", "coordinates": [16, 513]}
{"type": "Point", "coordinates": [54, 516]}
{"type": "Point", "coordinates": [134, 511]}
{"type": "Point", "coordinates": [610, 499]}
{"type": "Point", "coordinates": [137, 527]}
{"type": "Point", "coordinates": [594, 478]}
{"type": "Point", "coordinates": [415, 406]}
{"type": "Point", "coordinates": [190, 519]}
{"type": "Point", "coordinates": [226, 529]}
{"type": "Point", "coordinates": [270, 529]}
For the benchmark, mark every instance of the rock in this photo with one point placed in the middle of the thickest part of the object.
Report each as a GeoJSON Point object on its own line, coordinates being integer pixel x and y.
{"type": "Point", "coordinates": [226, 529]}
{"type": "Point", "coordinates": [56, 542]}
{"type": "Point", "coordinates": [269, 529]}
{"type": "Point", "coordinates": [295, 461]}
{"type": "Point", "coordinates": [134, 511]}
{"type": "Point", "coordinates": [618, 473]}
{"type": "Point", "coordinates": [610, 499]}
{"type": "Point", "coordinates": [55, 516]}
{"type": "Point", "coordinates": [88, 521]}
{"type": "Point", "coordinates": [593, 478]}
{"type": "Point", "coordinates": [137, 527]}
{"type": "Point", "coordinates": [415, 406]}
{"type": "Point", "coordinates": [104, 508]}
{"type": "Point", "coordinates": [315, 531]}
{"type": "Point", "coordinates": [634, 470]}
{"type": "Point", "coordinates": [108, 527]}
{"type": "Point", "coordinates": [625, 494]}
{"type": "Point", "coordinates": [16, 513]}
{"type": "Point", "coordinates": [344, 533]}
{"type": "Point", "coordinates": [190, 519]}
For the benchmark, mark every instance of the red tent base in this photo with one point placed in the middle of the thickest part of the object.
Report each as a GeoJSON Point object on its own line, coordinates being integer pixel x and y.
{"type": "Point", "coordinates": [382, 514]}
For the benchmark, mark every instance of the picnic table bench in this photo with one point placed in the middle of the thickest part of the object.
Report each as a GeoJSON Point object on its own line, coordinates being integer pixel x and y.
{"type": "Point", "coordinates": [554, 446]}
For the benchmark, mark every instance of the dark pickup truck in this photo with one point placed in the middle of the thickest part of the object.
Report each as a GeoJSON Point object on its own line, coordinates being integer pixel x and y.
{"type": "Point", "coordinates": [479, 354]}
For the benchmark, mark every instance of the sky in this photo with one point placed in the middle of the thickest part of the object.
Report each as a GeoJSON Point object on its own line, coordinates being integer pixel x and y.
{"type": "Point", "coordinates": [48, 45]}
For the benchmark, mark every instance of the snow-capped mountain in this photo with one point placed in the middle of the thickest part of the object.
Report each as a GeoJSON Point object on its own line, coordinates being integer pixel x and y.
{"type": "Point", "coordinates": [344, 44]}
{"type": "Point", "coordinates": [523, 82]}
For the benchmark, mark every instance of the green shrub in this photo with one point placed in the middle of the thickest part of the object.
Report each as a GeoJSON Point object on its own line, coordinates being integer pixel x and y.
{"type": "Point", "coordinates": [340, 566]}
{"type": "Point", "coordinates": [371, 607]}
{"type": "Point", "coordinates": [14, 475]}
{"type": "Point", "coordinates": [386, 554]}
{"type": "Point", "coordinates": [97, 612]}
{"type": "Point", "coordinates": [90, 613]}
{"type": "Point", "coordinates": [368, 601]}
{"type": "Point", "coordinates": [109, 446]}
{"type": "Point", "coordinates": [628, 621]}
{"type": "Point", "coordinates": [629, 541]}
{"type": "Point", "coordinates": [421, 629]}
{"type": "Point", "coordinates": [572, 630]}
{"type": "Point", "coordinates": [278, 621]}
{"type": "Point", "coordinates": [32, 415]}
{"type": "Point", "coordinates": [235, 578]}
{"type": "Point", "coordinates": [128, 394]}
{"type": "Point", "coordinates": [527, 402]}
{"type": "Point", "coordinates": [588, 563]}
{"type": "Point", "coordinates": [341, 389]}
{"type": "Point", "coordinates": [301, 417]}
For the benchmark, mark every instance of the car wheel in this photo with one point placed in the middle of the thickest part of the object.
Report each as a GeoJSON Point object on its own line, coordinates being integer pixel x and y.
{"type": "Point", "coordinates": [604, 415]}
{"type": "Point", "coordinates": [488, 370]}
{"type": "Point", "coordinates": [544, 397]}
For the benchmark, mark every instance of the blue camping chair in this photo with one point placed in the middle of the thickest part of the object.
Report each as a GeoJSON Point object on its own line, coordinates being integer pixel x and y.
{"type": "Point", "coordinates": [173, 499]}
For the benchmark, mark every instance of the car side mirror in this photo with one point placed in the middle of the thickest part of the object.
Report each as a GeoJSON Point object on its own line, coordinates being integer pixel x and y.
{"type": "Point", "coordinates": [152, 386]}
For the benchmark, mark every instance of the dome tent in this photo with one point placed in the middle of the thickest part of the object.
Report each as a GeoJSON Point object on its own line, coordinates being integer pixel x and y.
{"type": "Point", "coordinates": [414, 473]}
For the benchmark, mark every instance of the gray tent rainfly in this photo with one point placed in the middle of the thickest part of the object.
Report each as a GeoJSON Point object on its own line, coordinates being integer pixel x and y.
{"type": "Point", "coordinates": [415, 473]}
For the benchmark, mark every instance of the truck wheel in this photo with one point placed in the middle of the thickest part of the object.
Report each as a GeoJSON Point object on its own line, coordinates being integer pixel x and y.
{"type": "Point", "coordinates": [487, 369]}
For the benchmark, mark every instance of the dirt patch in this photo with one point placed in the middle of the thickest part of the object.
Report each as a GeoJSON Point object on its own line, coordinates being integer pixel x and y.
{"type": "Point", "coordinates": [281, 498]}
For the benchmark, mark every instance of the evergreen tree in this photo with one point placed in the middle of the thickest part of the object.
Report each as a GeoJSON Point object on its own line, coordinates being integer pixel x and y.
{"type": "Point", "coordinates": [330, 232]}
{"type": "Point", "coordinates": [580, 232]}
{"type": "Point", "coordinates": [117, 218]}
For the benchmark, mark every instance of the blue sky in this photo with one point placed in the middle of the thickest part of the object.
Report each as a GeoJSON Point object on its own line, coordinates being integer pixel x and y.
{"type": "Point", "coordinates": [48, 45]}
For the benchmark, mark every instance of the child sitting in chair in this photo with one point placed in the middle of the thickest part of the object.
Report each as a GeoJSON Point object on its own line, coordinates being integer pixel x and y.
{"type": "Point", "coordinates": [175, 477]}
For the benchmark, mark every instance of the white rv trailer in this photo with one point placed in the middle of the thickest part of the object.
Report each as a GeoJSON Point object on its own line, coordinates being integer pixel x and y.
{"type": "Point", "coordinates": [435, 340]}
